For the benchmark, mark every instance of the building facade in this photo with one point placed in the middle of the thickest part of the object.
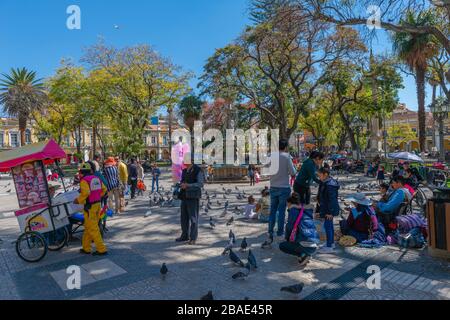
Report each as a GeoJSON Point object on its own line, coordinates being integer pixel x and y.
{"type": "Point", "coordinates": [403, 115]}
{"type": "Point", "coordinates": [157, 138]}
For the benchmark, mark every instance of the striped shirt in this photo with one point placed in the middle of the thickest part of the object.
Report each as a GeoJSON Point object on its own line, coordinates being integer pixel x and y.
{"type": "Point", "coordinates": [111, 174]}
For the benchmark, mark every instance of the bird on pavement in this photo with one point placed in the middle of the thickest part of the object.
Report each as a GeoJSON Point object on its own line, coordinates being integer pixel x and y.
{"type": "Point", "coordinates": [239, 275]}
{"type": "Point", "coordinates": [148, 214]}
{"type": "Point", "coordinates": [235, 258]}
{"type": "Point", "coordinates": [208, 296]}
{"type": "Point", "coordinates": [294, 289]}
{"type": "Point", "coordinates": [244, 244]}
{"type": "Point", "coordinates": [228, 248]}
{"type": "Point", "coordinates": [231, 236]}
{"type": "Point", "coordinates": [163, 270]}
{"type": "Point", "coordinates": [230, 221]}
{"type": "Point", "coordinates": [211, 223]}
{"type": "Point", "coordinates": [237, 189]}
{"type": "Point", "coordinates": [251, 260]}
{"type": "Point", "coordinates": [8, 191]}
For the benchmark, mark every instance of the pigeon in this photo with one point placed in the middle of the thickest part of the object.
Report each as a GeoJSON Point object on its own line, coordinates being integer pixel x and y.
{"type": "Point", "coordinates": [219, 203]}
{"type": "Point", "coordinates": [8, 191]}
{"type": "Point", "coordinates": [227, 204]}
{"type": "Point", "coordinates": [227, 248]}
{"type": "Point", "coordinates": [206, 210]}
{"type": "Point", "coordinates": [231, 236]}
{"type": "Point", "coordinates": [163, 270]}
{"type": "Point", "coordinates": [235, 258]}
{"type": "Point", "coordinates": [148, 214]}
{"type": "Point", "coordinates": [224, 213]}
{"type": "Point", "coordinates": [295, 289]}
{"type": "Point", "coordinates": [230, 222]}
{"type": "Point", "coordinates": [224, 196]}
{"type": "Point", "coordinates": [239, 275]}
{"type": "Point", "coordinates": [208, 296]}
{"type": "Point", "coordinates": [246, 298]}
{"type": "Point", "coordinates": [237, 189]}
{"type": "Point", "coordinates": [211, 223]}
{"type": "Point", "coordinates": [244, 244]}
{"type": "Point", "coordinates": [251, 260]}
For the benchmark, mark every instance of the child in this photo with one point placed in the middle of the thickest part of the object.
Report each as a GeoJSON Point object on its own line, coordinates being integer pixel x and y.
{"type": "Point", "coordinates": [301, 234]}
{"type": "Point", "coordinates": [263, 206]}
{"type": "Point", "coordinates": [328, 206]}
{"type": "Point", "coordinates": [257, 176]}
{"type": "Point", "coordinates": [380, 175]}
{"type": "Point", "coordinates": [141, 188]}
{"type": "Point", "coordinates": [384, 191]}
{"type": "Point", "coordinates": [250, 209]}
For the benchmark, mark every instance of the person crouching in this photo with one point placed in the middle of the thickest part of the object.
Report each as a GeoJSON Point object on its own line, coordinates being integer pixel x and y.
{"type": "Point", "coordinates": [302, 237]}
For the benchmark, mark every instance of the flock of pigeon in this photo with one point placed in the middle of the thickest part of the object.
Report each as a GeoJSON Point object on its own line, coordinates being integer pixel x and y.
{"type": "Point", "coordinates": [222, 201]}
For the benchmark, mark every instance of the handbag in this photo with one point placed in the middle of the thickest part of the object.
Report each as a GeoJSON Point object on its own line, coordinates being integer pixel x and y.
{"type": "Point", "coordinates": [296, 224]}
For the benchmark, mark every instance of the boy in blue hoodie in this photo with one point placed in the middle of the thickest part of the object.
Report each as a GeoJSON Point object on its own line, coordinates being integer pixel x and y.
{"type": "Point", "coordinates": [328, 206]}
{"type": "Point", "coordinates": [303, 241]}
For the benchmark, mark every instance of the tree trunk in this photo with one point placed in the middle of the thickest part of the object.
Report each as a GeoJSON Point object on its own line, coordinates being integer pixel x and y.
{"type": "Point", "coordinates": [22, 127]}
{"type": "Point", "coordinates": [420, 82]}
{"type": "Point", "coordinates": [94, 141]}
{"type": "Point", "coordinates": [350, 132]}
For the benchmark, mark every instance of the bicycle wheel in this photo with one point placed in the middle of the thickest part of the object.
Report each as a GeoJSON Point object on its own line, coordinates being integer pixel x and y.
{"type": "Point", "coordinates": [31, 246]}
{"type": "Point", "coordinates": [57, 239]}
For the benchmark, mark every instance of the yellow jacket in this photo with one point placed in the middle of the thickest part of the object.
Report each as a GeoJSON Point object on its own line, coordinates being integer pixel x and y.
{"type": "Point", "coordinates": [123, 172]}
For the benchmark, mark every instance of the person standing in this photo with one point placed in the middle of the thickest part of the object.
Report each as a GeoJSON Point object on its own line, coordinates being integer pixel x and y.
{"type": "Point", "coordinates": [191, 192]}
{"type": "Point", "coordinates": [123, 177]}
{"type": "Point", "coordinates": [307, 174]}
{"type": "Point", "coordinates": [111, 174]}
{"type": "Point", "coordinates": [133, 177]}
{"type": "Point", "coordinates": [96, 162]}
{"type": "Point", "coordinates": [328, 206]}
{"type": "Point", "coordinates": [91, 192]}
{"type": "Point", "coordinates": [156, 172]}
{"type": "Point", "coordinates": [280, 189]}
{"type": "Point", "coordinates": [251, 174]}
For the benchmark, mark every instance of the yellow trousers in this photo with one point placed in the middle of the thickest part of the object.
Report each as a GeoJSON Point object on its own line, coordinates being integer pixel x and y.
{"type": "Point", "coordinates": [92, 231]}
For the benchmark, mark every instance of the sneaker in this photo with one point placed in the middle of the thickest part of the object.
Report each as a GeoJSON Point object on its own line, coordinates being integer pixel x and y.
{"type": "Point", "coordinates": [303, 261]}
{"type": "Point", "coordinates": [280, 238]}
{"type": "Point", "coordinates": [84, 252]}
{"type": "Point", "coordinates": [326, 250]}
{"type": "Point", "coordinates": [181, 239]}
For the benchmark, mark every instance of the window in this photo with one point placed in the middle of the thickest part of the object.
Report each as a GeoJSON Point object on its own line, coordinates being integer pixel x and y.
{"type": "Point", "coordinates": [14, 140]}
{"type": "Point", "coordinates": [2, 141]}
{"type": "Point", "coordinates": [165, 138]}
{"type": "Point", "coordinates": [27, 136]}
{"type": "Point", "coordinates": [153, 141]}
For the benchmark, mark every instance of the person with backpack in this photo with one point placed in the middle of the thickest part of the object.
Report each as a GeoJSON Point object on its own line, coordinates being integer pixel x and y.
{"type": "Point", "coordinates": [328, 206]}
{"type": "Point", "coordinates": [301, 236]}
{"type": "Point", "coordinates": [92, 190]}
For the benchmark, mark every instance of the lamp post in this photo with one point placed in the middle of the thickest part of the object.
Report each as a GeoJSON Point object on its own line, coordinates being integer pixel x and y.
{"type": "Point", "coordinates": [441, 109]}
{"type": "Point", "coordinates": [298, 136]}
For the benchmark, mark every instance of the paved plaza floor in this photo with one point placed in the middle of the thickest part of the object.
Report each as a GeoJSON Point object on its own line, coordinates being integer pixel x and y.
{"type": "Point", "coordinates": [138, 245]}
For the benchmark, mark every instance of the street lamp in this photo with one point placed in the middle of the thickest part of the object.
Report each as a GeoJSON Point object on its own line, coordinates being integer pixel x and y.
{"type": "Point", "coordinates": [357, 125]}
{"type": "Point", "coordinates": [440, 109]}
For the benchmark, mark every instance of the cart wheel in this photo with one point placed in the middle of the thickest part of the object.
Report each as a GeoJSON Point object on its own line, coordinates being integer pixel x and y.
{"type": "Point", "coordinates": [31, 246]}
{"type": "Point", "coordinates": [57, 239]}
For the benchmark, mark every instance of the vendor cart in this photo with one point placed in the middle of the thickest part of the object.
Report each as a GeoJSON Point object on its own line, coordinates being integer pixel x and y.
{"type": "Point", "coordinates": [43, 219]}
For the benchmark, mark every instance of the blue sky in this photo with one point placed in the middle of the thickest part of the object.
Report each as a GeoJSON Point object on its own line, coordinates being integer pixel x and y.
{"type": "Point", "coordinates": [34, 32]}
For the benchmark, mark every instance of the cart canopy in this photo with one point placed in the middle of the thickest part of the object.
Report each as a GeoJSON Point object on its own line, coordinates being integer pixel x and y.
{"type": "Point", "coordinates": [407, 156]}
{"type": "Point", "coordinates": [46, 150]}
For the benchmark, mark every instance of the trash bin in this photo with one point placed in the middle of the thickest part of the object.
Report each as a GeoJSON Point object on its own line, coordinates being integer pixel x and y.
{"type": "Point", "coordinates": [438, 213]}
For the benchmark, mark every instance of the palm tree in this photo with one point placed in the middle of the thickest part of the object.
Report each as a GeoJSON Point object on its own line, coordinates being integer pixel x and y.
{"type": "Point", "coordinates": [190, 109]}
{"type": "Point", "coordinates": [416, 50]}
{"type": "Point", "coordinates": [21, 94]}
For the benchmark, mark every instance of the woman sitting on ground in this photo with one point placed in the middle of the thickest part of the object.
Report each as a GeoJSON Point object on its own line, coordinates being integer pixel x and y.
{"type": "Point", "coordinates": [362, 221]}
{"type": "Point", "coordinates": [302, 238]}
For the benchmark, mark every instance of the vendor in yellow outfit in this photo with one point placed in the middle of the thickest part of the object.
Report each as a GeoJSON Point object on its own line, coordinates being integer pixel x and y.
{"type": "Point", "coordinates": [91, 192]}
